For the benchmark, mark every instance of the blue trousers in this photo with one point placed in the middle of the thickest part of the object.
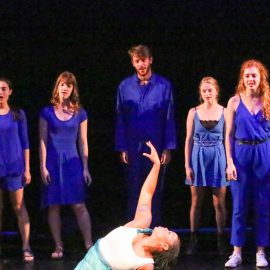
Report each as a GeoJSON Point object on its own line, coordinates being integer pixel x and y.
{"type": "Point", "coordinates": [251, 192]}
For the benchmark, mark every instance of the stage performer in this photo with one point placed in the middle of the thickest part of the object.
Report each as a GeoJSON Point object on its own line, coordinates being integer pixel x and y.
{"type": "Point", "coordinates": [15, 162]}
{"type": "Point", "coordinates": [134, 246]}
{"type": "Point", "coordinates": [205, 161]}
{"type": "Point", "coordinates": [64, 159]}
{"type": "Point", "coordinates": [247, 150]}
{"type": "Point", "coordinates": [144, 111]}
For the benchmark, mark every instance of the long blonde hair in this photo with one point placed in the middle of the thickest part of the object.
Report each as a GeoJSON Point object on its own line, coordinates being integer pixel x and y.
{"type": "Point", "coordinates": [68, 78]}
{"type": "Point", "coordinates": [263, 86]}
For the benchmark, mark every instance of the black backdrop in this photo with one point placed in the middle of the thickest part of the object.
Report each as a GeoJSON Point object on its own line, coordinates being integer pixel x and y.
{"type": "Point", "coordinates": [189, 39]}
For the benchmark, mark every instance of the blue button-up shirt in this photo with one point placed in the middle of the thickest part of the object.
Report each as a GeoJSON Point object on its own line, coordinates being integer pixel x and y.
{"type": "Point", "coordinates": [145, 112]}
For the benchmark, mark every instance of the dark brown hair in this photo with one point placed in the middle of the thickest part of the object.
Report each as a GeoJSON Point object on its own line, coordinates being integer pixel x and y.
{"type": "Point", "coordinates": [14, 110]}
{"type": "Point", "coordinates": [163, 260]}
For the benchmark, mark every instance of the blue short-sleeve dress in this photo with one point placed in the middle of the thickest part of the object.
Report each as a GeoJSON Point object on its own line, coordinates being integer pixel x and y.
{"type": "Point", "coordinates": [13, 142]}
{"type": "Point", "coordinates": [208, 160]}
{"type": "Point", "coordinates": [63, 162]}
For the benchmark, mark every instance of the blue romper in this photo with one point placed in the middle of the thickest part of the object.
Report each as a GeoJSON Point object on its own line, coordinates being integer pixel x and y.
{"type": "Point", "coordinates": [63, 161]}
{"type": "Point", "coordinates": [253, 167]}
{"type": "Point", "coordinates": [208, 160]}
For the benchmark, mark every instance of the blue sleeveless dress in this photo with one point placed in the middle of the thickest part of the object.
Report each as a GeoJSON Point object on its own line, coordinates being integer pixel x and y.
{"type": "Point", "coordinates": [208, 160]}
{"type": "Point", "coordinates": [251, 190]}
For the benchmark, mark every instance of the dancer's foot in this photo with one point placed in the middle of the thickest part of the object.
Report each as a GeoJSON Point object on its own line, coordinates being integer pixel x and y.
{"type": "Point", "coordinates": [28, 255]}
{"type": "Point", "coordinates": [58, 253]}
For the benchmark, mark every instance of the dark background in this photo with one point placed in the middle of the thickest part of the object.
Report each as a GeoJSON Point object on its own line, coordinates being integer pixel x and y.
{"type": "Point", "coordinates": [190, 39]}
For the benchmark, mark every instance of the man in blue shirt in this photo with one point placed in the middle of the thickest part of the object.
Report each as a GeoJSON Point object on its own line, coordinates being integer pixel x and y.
{"type": "Point", "coordinates": [144, 112]}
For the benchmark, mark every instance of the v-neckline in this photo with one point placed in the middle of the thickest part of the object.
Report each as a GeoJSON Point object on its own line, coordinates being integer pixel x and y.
{"type": "Point", "coordinates": [253, 115]}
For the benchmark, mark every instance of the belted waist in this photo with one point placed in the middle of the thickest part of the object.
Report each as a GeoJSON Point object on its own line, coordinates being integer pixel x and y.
{"type": "Point", "coordinates": [255, 142]}
{"type": "Point", "coordinates": [208, 143]}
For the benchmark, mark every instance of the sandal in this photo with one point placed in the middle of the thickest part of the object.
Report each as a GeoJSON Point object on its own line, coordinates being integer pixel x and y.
{"type": "Point", "coordinates": [58, 253]}
{"type": "Point", "coordinates": [28, 255]}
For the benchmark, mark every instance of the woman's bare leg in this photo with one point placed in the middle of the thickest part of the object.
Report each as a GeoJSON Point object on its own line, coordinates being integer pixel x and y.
{"type": "Point", "coordinates": [219, 196]}
{"type": "Point", "coordinates": [17, 202]}
{"type": "Point", "coordinates": [84, 221]}
{"type": "Point", "coordinates": [54, 221]}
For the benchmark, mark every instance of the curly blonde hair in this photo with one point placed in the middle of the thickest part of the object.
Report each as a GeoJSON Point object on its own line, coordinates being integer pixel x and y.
{"type": "Point", "coordinates": [263, 86]}
{"type": "Point", "coordinates": [68, 78]}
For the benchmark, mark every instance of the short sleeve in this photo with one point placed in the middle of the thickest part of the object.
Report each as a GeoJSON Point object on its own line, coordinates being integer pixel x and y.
{"type": "Point", "coordinates": [23, 134]}
{"type": "Point", "coordinates": [82, 115]}
{"type": "Point", "coordinates": [44, 113]}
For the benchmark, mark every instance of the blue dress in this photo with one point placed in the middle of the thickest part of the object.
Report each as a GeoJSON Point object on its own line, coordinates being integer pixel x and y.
{"type": "Point", "coordinates": [63, 161]}
{"type": "Point", "coordinates": [144, 113]}
{"type": "Point", "coordinates": [13, 141]}
{"type": "Point", "coordinates": [253, 167]}
{"type": "Point", "coordinates": [208, 160]}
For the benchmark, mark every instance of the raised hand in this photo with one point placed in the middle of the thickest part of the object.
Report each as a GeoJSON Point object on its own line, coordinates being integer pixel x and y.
{"type": "Point", "coordinates": [153, 156]}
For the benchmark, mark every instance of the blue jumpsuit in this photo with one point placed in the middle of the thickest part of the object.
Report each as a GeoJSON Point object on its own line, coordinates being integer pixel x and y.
{"type": "Point", "coordinates": [143, 113]}
{"type": "Point", "coordinates": [252, 186]}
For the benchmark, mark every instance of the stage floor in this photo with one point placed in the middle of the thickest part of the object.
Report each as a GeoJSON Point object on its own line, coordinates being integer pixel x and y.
{"type": "Point", "coordinates": [207, 259]}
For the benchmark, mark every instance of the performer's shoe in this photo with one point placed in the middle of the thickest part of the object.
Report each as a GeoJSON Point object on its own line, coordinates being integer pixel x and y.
{"type": "Point", "coordinates": [260, 259]}
{"type": "Point", "coordinates": [193, 246]}
{"type": "Point", "coordinates": [234, 260]}
{"type": "Point", "coordinates": [28, 255]}
{"type": "Point", "coordinates": [221, 243]}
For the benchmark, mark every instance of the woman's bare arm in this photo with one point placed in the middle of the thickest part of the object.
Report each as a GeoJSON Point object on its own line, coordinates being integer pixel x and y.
{"type": "Point", "coordinates": [143, 215]}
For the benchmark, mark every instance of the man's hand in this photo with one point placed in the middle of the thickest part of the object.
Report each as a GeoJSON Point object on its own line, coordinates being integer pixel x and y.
{"type": "Point", "coordinates": [124, 157]}
{"type": "Point", "coordinates": [165, 157]}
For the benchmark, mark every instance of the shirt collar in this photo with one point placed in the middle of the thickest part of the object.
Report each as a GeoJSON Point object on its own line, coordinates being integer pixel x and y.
{"type": "Point", "coordinates": [151, 79]}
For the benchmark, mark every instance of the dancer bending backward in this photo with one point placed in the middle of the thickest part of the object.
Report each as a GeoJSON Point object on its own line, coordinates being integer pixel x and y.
{"type": "Point", "coordinates": [247, 150]}
{"type": "Point", "coordinates": [205, 160]}
{"type": "Point", "coordinates": [15, 161]}
{"type": "Point", "coordinates": [132, 246]}
{"type": "Point", "coordinates": [64, 169]}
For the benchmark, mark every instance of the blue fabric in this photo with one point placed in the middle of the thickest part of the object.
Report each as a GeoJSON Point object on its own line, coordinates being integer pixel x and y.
{"type": "Point", "coordinates": [145, 231]}
{"type": "Point", "coordinates": [12, 183]}
{"type": "Point", "coordinates": [143, 113]}
{"type": "Point", "coordinates": [63, 162]}
{"type": "Point", "coordinates": [252, 186]}
{"type": "Point", "coordinates": [93, 260]}
{"type": "Point", "coordinates": [208, 160]}
{"type": "Point", "coordinates": [13, 141]}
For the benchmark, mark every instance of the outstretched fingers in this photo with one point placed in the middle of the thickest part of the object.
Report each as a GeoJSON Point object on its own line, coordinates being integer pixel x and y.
{"type": "Point", "coordinates": [153, 156]}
